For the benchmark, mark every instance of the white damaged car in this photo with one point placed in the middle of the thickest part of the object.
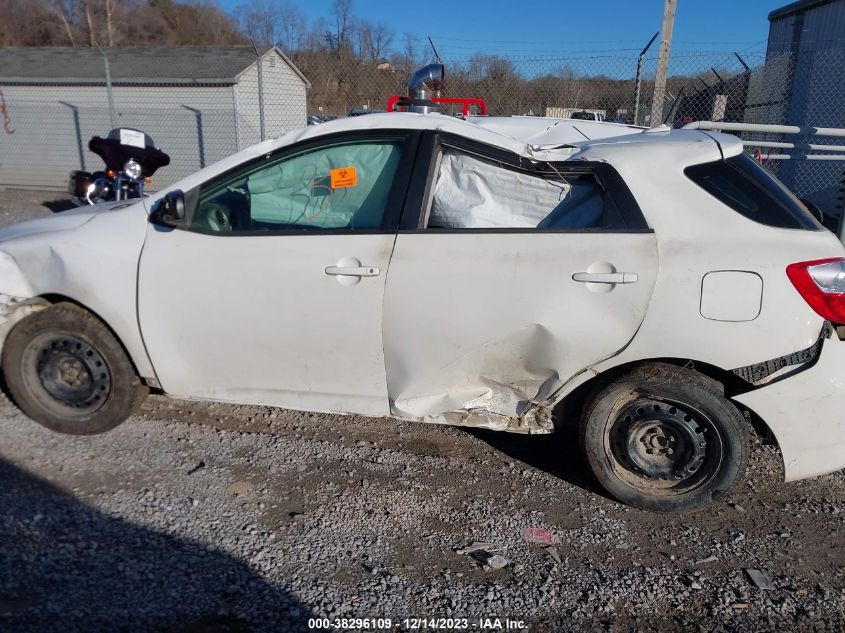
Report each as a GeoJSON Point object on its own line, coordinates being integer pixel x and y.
{"type": "Point", "coordinates": [476, 272]}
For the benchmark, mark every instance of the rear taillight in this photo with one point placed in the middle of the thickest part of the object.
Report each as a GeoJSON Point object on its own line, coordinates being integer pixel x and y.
{"type": "Point", "coordinates": [822, 284]}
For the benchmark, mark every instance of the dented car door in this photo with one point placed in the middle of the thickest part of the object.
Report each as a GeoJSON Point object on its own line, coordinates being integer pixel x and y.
{"type": "Point", "coordinates": [273, 292]}
{"type": "Point", "coordinates": [507, 279]}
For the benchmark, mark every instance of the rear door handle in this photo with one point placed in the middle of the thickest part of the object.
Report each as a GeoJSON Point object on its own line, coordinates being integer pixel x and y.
{"type": "Point", "coordinates": [605, 278]}
{"type": "Point", "coordinates": [353, 271]}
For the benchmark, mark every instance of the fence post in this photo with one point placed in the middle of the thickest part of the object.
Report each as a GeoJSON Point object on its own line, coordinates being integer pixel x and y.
{"type": "Point", "coordinates": [78, 129]}
{"type": "Point", "coordinates": [237, 114]}
{"type": "Point", "coordinates": [260, 91]}
{"type": "Point", "coordinates": [200, 137]}
{"type": "Point", "coordinates": [744, 65]}
{"type": "Point", "coordinates": [108, 88]}
{"type": "Point", "coordinates": [640, 77]}
{"type": "Point", "coordinates": [673, 111]}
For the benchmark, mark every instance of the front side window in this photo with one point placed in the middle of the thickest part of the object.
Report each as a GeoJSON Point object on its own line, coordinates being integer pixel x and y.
{"type": "Point", "coordinates": [750, 190]}
{"type": "Point", "coordinates": [342, 186]}
{"type": "Point", "coordinates": [475, 193]}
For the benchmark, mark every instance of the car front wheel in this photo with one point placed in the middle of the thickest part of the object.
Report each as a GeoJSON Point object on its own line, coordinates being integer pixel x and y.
{"type": "Point", "coordinates": [664, 438]}
{"type": "Point", "coordinates": [68, 372]}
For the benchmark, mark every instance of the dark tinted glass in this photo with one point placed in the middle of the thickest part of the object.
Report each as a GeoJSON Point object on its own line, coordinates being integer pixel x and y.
{"type": "Point", "coordinates": [750, 190]}
{"type": "Point", "coordinates": [585, 206]}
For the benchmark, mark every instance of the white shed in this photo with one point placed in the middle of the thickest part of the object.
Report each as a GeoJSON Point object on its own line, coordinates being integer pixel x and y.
{"type": "Point", "coordinates": [199, 104]}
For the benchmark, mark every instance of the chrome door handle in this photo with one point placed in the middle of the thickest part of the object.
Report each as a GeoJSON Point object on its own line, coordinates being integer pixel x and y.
{"type": "Point", "coordinates": [605, 278]}
{"type": "Point", "coordinates": [353, 271]}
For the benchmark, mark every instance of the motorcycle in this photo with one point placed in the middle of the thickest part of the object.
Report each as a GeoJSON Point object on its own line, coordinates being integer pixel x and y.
{"type": "Point", "coordinates": [131, 159]}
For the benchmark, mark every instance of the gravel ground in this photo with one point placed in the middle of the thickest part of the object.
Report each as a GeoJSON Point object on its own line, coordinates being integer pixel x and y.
{"type": "Point", "coordinates": [211, 517]}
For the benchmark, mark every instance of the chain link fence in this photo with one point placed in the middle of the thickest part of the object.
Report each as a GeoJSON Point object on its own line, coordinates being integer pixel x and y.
{"type": "Point", "coordinates": [785, 88]}
{"type": "Point", "coordinates": [198, 105]}
{"type": "Point", "coordinates": [198, 118]}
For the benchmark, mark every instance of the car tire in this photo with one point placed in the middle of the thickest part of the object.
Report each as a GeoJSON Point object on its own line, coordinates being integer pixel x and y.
{"type": "Point", "coordinates": [67, 371]}
{"type": "Point", "coordinates": [664, 438]}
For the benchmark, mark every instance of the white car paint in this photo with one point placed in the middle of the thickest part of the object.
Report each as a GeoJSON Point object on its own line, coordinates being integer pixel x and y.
{"type": "Point", "coordinates": [265, 324]}
{"type": "Point", "coordinates": [745, 287]}
{"type": "Point", "coordinates": [490, 340]}
{"type": "Point", "coordinates": [455, 328]}
{"type": "Point", "coordinates": [91, 256]}
{"type": "Point", "coordinates": [698, 235]}
{"type": "Point", "coordinates": [805, 414]}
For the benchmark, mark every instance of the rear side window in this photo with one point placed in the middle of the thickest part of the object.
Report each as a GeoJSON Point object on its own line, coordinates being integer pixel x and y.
{"type": "Point", "coordinates": [473, 193]}
{"type": "Point", "coordinates": [747, 188]}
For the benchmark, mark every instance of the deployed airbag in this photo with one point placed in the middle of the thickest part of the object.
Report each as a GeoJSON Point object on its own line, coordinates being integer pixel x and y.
{"type": "Point", "coordinates": [306, 190]}
{"type": "Point", "coordinates": [473, 193]}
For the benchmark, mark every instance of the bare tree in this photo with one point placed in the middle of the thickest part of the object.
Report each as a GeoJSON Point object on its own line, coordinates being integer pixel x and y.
{"type": "Point", "coordinates": [108, 6]}
{"type": "Point", "coordinates": [411, 56]}
{"type": "Point", "coordinates": [258, 20]}
{"type": "Point", "coordinates": [199, 23]}
{"type": "Point", "coordinates": [373, 41]}
{"type": "Point", "coordinates": [342, 14]}
{"type": "Point", "coordinates": [204, 23]}
{"type": "Point", "coordinates": [89, 22]}
{"type": "Point", "coordinates": [114, 22]}
{"type": "Point", "coordinates": [318, 36]}
{"type": "Point", "coordinates": [292, 26]}
{"type": "Point", "coordinates": [62, 9]}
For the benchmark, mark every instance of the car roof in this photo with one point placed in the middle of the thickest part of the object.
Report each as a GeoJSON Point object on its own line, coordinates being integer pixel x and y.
{"type": "Point", "coordinates": [549, 131]}
{"type": "Point", "coordinates": [536, 138]}
{"type": "Point", "coordinates": [509, 132]}
{"type": "Point", "coordinates": [542, 138]}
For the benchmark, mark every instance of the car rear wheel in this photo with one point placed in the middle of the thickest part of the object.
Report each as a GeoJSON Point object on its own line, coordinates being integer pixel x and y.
{"type": "Point", "coordinates": [664, 438]}
{"type": "Point", "coordinates": [68, 372]}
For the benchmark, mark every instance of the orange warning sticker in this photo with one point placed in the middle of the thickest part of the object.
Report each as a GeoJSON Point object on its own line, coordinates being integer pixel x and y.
{"type": "Point", "coordinates": [344, 177]}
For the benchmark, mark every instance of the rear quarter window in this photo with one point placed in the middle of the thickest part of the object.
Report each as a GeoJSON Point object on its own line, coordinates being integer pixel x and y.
{"type": "Point", "coordinates": [750, 190]}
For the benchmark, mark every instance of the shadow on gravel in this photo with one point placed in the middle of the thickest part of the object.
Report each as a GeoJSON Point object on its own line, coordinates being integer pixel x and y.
{"type": "Point", "coordinates": [558, 454]}
{"type": "Point", "coordinates": [57, 206]}
{"type": "Point", "coordinates": [65, 566]}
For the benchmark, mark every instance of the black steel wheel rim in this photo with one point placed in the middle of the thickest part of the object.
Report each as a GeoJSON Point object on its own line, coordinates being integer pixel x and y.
{"type": "Point", "coordinates": [73, 372]}
{"type": "Point", "coordinates": [663, 447]}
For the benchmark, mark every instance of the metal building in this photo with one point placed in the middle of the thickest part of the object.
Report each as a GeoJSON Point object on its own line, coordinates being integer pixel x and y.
{"type": "Point", "coordinates": [807, 88]}
{"type": "Point", "coordinates": [199, 104]}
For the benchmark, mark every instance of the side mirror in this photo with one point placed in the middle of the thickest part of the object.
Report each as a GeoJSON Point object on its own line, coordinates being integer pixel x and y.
{"type": "Point", "coordinates": [169, 210]}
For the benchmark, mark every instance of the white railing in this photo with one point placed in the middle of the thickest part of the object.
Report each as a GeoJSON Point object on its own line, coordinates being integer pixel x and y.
{"type": "Point", "coordinates": [763, 128]}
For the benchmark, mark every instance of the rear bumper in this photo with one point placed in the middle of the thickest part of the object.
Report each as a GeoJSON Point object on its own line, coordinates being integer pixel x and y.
{"type": "Point", "coordinates": [806, 413]}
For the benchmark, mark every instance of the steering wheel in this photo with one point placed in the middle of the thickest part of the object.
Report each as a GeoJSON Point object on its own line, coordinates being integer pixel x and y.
{"type": "Point", "coordinates": [217, 217]}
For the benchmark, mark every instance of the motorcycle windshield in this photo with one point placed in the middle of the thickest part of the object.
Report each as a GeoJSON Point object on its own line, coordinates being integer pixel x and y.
{"type": "Point", "coordinates": [115, 155]}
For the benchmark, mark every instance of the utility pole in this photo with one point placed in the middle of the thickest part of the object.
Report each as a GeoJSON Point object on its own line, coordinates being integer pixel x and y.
{"type": "Point", "coordinates": [663, 62]}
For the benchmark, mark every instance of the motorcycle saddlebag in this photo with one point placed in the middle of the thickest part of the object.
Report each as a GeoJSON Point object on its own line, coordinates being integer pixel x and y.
{"type": "Point", "coordinates": [79, 183]}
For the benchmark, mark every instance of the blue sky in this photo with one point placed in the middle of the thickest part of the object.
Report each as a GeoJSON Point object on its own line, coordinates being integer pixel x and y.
{"type": "Point", "coordinates": [531, 28]}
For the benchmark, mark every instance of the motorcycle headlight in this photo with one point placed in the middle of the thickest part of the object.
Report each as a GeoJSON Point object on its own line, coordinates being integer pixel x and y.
{"type": "Point", "coordinates": [132, 169]}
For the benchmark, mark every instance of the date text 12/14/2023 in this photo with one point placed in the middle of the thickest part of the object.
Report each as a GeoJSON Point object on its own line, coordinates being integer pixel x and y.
{"type": "Point", "coordinates": [417, 624]}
